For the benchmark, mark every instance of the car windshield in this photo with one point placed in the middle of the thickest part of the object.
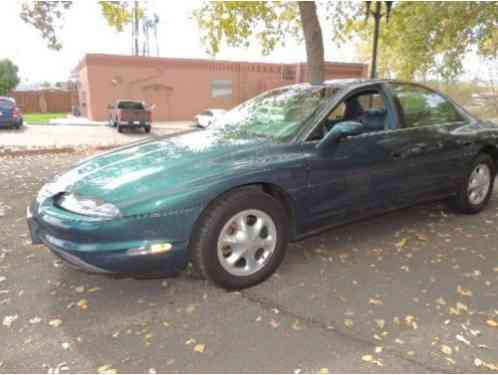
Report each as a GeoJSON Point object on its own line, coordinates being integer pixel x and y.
{"type": "Point", "coordinates": [278, 113]}
{"type": "Point", "coordinates": [6, 104]}
{"type": "Point", "coordinates": [130, 105]}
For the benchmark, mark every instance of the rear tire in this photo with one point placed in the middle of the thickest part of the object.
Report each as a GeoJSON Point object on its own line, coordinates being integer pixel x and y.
{"type": "Point", "coordinates": [147, 129]}
{"type": "Point", "coordinates": [240, 240]}
{"type": "Point", "coordinates": [120, 129]}
{"type": "Point", "coordinates": [477, 186]}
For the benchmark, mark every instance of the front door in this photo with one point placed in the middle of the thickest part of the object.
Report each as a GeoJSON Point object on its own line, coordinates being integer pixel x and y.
{"type": "Point", "coordinates": [340, 181]}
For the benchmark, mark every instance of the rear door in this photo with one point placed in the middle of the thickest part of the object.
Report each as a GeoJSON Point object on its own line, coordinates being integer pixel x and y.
{"type": "Point", "coordinates": [425, 144]}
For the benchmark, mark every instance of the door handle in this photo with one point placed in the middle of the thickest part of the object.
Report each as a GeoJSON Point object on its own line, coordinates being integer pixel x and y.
{"type": "Point", "coordinates": [396, 155]}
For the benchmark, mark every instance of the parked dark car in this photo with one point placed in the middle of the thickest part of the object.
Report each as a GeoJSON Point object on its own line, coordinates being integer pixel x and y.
{"type": "Point", "coordinates": [130, 114]}
{"type": "Point", "coordinates": [10, 114]}
{"type": "Point", "coordinates": [286, 164]}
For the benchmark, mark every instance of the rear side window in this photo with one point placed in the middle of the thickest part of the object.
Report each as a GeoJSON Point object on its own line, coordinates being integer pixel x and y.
{"type": "Point", "coordinates": [6, 104]}
{"type": "Point", "coordinates": [130, 105]}
{"type": "Point", "coordinates": [422, 107]}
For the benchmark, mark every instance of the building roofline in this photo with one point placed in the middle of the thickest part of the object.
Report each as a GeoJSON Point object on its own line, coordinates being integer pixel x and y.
{"type": "Point", "coordinates": [93, 58]}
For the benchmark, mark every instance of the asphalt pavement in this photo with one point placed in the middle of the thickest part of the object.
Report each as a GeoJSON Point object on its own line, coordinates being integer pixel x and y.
{"type": "Point", "coordinates": [410, 291]}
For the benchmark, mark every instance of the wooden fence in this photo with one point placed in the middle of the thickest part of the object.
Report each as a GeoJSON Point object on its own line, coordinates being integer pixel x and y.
{"type": "Point", "coordinates": [45, 101]}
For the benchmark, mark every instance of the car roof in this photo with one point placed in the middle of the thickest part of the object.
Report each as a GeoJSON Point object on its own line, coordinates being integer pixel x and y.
{"type": "Point", "coordinates": [7, 98]}
{"type": "Point", "coordinates": [350, 83]}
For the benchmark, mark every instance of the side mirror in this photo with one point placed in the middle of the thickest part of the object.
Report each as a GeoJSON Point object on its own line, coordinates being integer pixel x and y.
{"type": "Point", "coordinates": [339, 131]}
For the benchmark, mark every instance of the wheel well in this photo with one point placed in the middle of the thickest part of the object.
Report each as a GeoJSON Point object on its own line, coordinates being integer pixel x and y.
{"type": "Point", "coordinates": [491, 151]}
{"type": "Point", "coordinates": [271, 189]}
{"type": "Point", "coordinates": [283, 197]}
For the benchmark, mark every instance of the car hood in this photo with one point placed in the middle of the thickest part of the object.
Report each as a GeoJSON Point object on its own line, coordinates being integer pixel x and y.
{"type": "Point", "coordinates": [166, 166]}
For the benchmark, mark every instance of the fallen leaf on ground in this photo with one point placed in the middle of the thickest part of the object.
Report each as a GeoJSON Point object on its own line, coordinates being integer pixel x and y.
{"type": "Point", "coordinates": [83, 304]}
{"type": "Point", "coordinates": [371, 359]}
{"type": "Point", "coordinates": [464, 292]}
{"type": "Point", "coordinates": [348, 323]}
{"type": "Point", "coordinates": [402, 243]}
{"type": "Point", "coordinates": [199, 348]}
{"type": "Point", "coordinates": [462, 339]}
{"type": "Point", "coordinates": [374, 301]}
{"type": "Point", "coordinates": [446, 349]}
{"type": "Point", "coordinates": [35, 320]}
{"type": "Point", "coordinates": [323, 370]}
{"type": "Point", "coordinates": [459, 309]}
{"type": "Point", "coordinates": [296, 325]}
{"type": "Point", "coordinates": [9, 319]}
{"type": "Point", "coordinates": [380, 323]}
{"type": "Point", "coordinates": [490, 366]}
{"type": "Point", "coordinates": [422, 237]}
{"type": "Point", "coordinates": [80, 289]}
{"type": "Point", "coordinates": [106, 369]}
{"type": "Point", "coordinates": [410, 321]}
{"type": "Point", "coordinates": [492, 323]}
{"type": "Point", "coordinates": [55, 323]}
{"type": "Point", "coordinates": [441, 301]}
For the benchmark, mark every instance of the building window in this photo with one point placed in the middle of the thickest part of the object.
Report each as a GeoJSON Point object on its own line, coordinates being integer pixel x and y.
{"type": "Point", "coordinates": [221, 88]}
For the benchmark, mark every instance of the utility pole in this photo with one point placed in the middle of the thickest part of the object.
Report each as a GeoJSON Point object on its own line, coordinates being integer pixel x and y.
{"type": "Point", "coordinates": [377, 15]}
{"type": "Point", "coordinates": [136, 51]}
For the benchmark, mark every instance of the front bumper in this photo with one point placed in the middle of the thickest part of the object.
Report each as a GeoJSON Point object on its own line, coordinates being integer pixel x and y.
{"type": "Point", "coordinates": [109, 257]}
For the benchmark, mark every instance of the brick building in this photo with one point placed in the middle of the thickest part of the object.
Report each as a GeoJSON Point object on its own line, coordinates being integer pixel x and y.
{"type": "Point", "coordinates": [181, 88]}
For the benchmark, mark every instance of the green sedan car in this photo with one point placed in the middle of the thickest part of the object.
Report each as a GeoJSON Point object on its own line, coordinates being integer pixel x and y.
{"type": "Point", "coordinates": [283, 165]}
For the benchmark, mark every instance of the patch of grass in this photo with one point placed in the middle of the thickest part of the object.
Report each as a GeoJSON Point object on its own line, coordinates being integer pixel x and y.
{"type": "Point", "coordinates": [41, 118]}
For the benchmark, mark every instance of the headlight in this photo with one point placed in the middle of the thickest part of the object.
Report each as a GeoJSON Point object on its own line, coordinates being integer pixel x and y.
{"type": "Point", "coordinates": [88, 206]}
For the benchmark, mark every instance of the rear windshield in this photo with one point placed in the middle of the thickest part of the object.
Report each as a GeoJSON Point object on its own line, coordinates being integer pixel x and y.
{"type": "Point", "coordinates": [6, 104]}
{"type": "Point", "coordinates": [130, 105]}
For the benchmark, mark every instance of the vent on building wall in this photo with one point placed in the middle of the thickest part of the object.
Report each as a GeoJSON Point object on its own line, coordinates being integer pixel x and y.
{"type": "Point", "coordinates": [288, 73]}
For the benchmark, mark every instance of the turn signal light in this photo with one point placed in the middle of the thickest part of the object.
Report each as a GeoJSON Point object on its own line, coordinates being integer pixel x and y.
{"type": "Point", "coordinates": [157, 248]}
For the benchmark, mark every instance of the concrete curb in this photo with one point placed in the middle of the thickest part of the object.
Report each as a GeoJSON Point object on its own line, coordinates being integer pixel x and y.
{"type": "Point", "coordinates": [53, 150]}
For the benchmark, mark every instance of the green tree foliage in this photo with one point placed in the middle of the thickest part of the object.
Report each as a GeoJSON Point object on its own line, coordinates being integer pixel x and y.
{"type": "Point", "coordinates": [422, 37]}
{"type": "Point", "coordinates": [238, 22]}
{"type": "Point", "coordinates": [8, 76]}
{"type": "Point", "coordinates": [119, 13]}
{"type": "Point", "coordinates": [46, 16]}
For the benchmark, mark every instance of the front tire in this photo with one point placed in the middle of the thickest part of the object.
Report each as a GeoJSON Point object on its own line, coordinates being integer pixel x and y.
{"type": "Point", "coordinates": [240, 240]}
{"type": "Point", "coordinates": [477, 187]}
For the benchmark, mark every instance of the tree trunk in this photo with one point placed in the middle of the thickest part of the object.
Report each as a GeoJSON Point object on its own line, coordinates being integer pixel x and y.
{"type": "Point", "coordinates": [313, 40]}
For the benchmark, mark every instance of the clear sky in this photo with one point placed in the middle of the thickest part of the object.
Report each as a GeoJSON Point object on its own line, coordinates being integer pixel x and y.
{"type": "Point", "coordinates": [86, 31]}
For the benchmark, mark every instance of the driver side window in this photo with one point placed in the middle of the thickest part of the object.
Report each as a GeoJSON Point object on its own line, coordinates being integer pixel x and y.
{"type": "Point", "coordinates": [367, 108]}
